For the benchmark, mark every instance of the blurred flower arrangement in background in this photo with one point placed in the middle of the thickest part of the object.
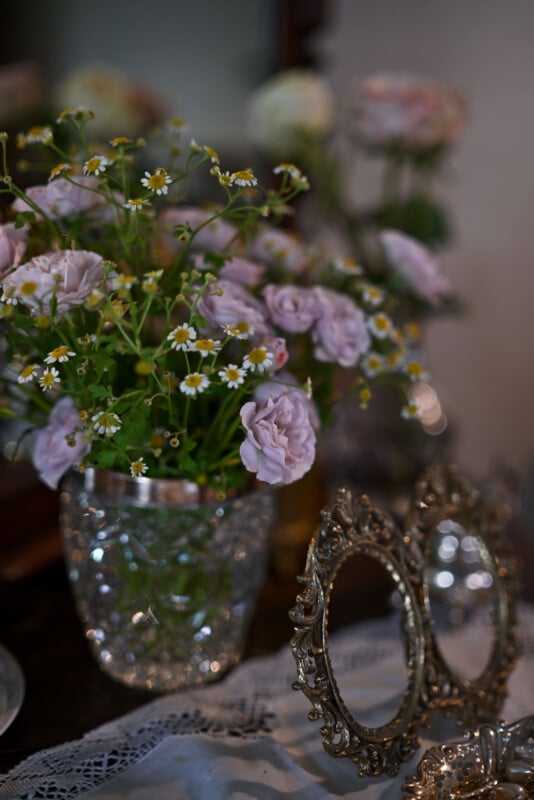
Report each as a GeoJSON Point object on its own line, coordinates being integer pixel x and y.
{"type": "Point", "coordinates": [145, 335]}
{"type": "Point", "coordinates": [404, 128]}
{"type": "Point", "coordinates": [406, 123]}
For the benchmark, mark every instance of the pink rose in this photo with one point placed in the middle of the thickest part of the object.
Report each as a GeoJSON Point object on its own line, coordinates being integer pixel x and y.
{"type": "Point", "coordinates": [12, 246]}
{"type": "Point", "coordinates": [291, 307]}
{"type": "Point", "coordinates": [235, 304]}
{"type": "Point", "coordinates": [279, 249]}
{"type": "Point", "coordinates": [61, 199]}
{"type": "Point", "coordinates": [398, 109]}
{"type": "Point", "coordinates": [280, 440]}
{"type": "Point", "coordinates": [277, 346]}
{"type": "Point", "coordinates": [340, 333]}
{"type": "Point", "coordinates": [416, 264]}
{"type": "Point", "coordinates": [217, 236]}
{"type": "Point", "coordinates": [68, 275]}
{"type": "Point", "coordinates": [59, 445]}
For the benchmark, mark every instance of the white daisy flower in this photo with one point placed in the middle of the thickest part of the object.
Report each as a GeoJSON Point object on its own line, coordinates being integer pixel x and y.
{"type": "Point", "coordinates": [241, 330]}
{"type": "Point", "coordinates": [135, 204]}
{"type": "Point", "coordinates": [194, 383]}
{"type": "Point", "coordinates": [60, 354]}
{"type": "Point", "coordinates": [232, 375]}
{"type": "Point", "coordinates": [347, 265]}
{"type": "Point", "coordinates": [138, 467]}
{"type": "Point", "coordinates": [157, 181]}
{"type": "Point", "coordinates": [205, 347]}
{"type": "Point", "coordinates": [96, 165]}
{"type": "Point", "coordinates": [381, 325]}
{"type": "Point", "coordinates": [245, 177]}
{"type": "Point", "coordinates": [372, 364]}
{"type": "Point", "coordinates": [258, 360]}
{"type": "Point", "coordinates": [416, 371]}
{"type": "Point", "coordinates": [373, 295]}
{"type": "Point", "coordinates": [412, 409]}
{"type": "Point", "coordinates": [182, 336]}
{"type": "Point", "coordinates": [28, 373]}
{"type": "Point", "coordinates": [49, 379]}
{"type": "Point", "coordinates": [106, 422]}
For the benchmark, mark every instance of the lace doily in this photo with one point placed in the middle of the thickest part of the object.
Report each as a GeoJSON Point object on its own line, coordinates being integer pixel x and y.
{"type": "Point", "coordinates": [254, 704]}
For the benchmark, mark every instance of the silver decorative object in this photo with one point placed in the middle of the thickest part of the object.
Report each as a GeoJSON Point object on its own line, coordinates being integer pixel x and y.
{"type": "Point", "coordinates": [352, 528]}
{"type": "Point", "coordinates": [164, 574]}
{"type": "Point", "coordinates": [496, 762]}
{"type": "Point", "coordinates": [444, 499]}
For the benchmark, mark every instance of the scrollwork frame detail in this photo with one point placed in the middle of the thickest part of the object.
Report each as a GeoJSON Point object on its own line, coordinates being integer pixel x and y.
{"type": "Point", "coordinates": [351, 527]}
{"type": "Point", "coordinates": [443, 492]}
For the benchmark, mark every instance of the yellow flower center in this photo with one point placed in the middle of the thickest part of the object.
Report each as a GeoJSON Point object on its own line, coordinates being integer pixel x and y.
{"type": "Point", "coordinates": [257, 356]}
{"type": "Point", "coordinates": [193, 381]}
{"type": "Point", "coordinates": [120, 140]}
{"type": "Point", "coordinates": [157, 180]}
{"type": "Point", "coordinates": [381, 323]}
{"type": "Point", "coordinates": [48, 379]}
{"type": "Point", "coordinates": [28, 288]}
{"type": "Point", "coordinates": [27, 371]}
{"type": "Point", "coordinates": [232, 374]}
{"type": "Point", "coordinates": [59, 352]}
{"type": "Point", "coordinates": [138, 467]}
{"type": "Point", "coordinates": [93, 164]}
{"type": "Point", "coordinates": [107, 419]}
{"type": "Point", "coordinates": [414, 369]}
{"type": "Point", "coordinates": [180, 335]}
{"type": "Point", "coordinates": [205, 344]}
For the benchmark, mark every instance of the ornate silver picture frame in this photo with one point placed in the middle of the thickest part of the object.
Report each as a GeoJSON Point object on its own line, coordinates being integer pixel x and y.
{"type": "Point", "coordinates": [352, 528]}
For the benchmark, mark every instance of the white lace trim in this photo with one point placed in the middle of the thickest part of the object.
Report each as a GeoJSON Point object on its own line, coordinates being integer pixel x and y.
{"type": "Point", "coordinates": [247, 704]}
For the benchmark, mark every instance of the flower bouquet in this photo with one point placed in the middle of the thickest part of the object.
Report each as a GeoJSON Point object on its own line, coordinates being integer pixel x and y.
{"type": "Point", "coordinates": [174, 354]}
{"type": "Point", "coordinates": [148, 336]}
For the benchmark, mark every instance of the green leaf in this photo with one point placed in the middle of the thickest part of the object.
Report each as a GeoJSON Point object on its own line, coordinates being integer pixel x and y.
{"type": "Point", "coordinates": [24, 217]}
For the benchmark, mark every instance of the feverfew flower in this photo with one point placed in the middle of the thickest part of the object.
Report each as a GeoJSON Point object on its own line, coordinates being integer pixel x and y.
{"type": "Point", "coordinates": [415, 370]}
{"type": "Point", "coordinates": [96, 165]}
{"type": "Point", "coordinates": [347, 265]}
{"type": "Point", "coordinates": [182, 336]}
{"type": "Point", "coordinates": [28, 373]}
{"type": "Point", "coordinates": [135, 204]}
{"type": "Point", "coordinates": [372, 364]}
{"type": "Point", "coordinates": [258, 360]}
{"type": "Point", "coordinates": [206, 347]}
{"type": "Point", "coordinates": [241, 330]}
{"type": "Point", "coordinates": [106, 423]}
{"type": "Point", "coordinates": [245, 177]}
{"type": "Point", "coordinates": [39, 134]}
{"type": "Point", "coordinates": [372, 295]}
{"type": "Point", "coordinates": [49, 379]}
{"type": "Point", "coordinates": [60, 354]}
{"type": "Point", "coordinates": [138, 468]}
{"type": "Point", "coordinates": [381, 326]}
{"type": "Point", "coordinates": [412, 409]}
{"type": "Point", "coordinates": [194, 383]}
{"type": "Point", "coordinates": [232, 375]}
{"type": "Point", "coordinates": [157, 181]}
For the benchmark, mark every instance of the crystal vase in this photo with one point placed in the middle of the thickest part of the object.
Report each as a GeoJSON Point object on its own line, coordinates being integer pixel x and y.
{"type": "Point", "coordinates": [165, 576]}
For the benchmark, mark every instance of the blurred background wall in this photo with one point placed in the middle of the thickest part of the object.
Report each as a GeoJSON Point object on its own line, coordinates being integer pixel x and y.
{"type": "Point", "coordinates": [205, 57]}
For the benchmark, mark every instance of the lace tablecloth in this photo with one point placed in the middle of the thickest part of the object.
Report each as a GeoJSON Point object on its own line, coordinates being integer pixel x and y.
{"type": "Point", "coordinates": [249, 736]}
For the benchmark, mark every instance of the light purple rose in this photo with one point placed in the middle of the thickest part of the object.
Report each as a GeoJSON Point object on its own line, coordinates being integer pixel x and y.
{"type": "Point", "coordinates": [280, 440]}
{"type": "Point", "coordinates": [235, 304]}
{"type": "Point", "coordinates": [12, 246]}
{"type": "Point", "coordinates": [69, 275]}
{"type": "Point", "coordinates": [416, 264]}
{"type": "Point", "coordinates": [236, 269]}
{"type": "Point", "coordinates": [217, 236]}
{"type": "Point", "coordinates": [279, 249]}
{"type": "Point", "coordinates": [291, 307]}
{"type": "Point", "coordinates": [59, 445]}
{"type": "Point", "coordinates": [61, 199]}
{"type": "Point", "coordinates": [340, 333]}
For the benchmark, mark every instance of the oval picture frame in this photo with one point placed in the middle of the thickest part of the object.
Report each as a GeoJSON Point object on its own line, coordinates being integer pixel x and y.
{"type": "Point", "coordinates": [441, 493]}
{"type": "Point", "coordinates": [349, 528]}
